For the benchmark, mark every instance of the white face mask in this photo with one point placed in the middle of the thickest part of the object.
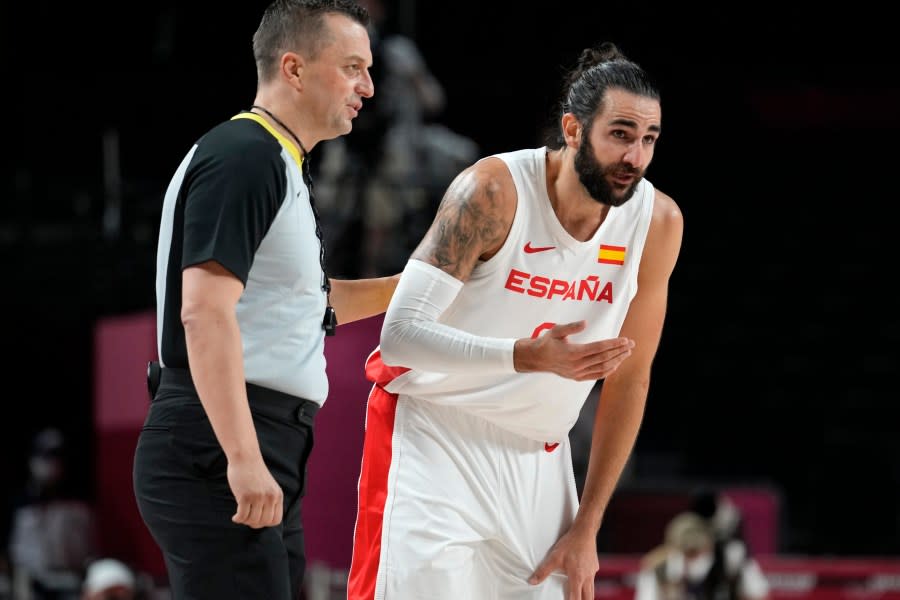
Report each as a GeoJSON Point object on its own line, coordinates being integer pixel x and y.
{"type": "Point", "coordinates": [45, 470]}
{"type": "Point", "coordinates": [695, 569]}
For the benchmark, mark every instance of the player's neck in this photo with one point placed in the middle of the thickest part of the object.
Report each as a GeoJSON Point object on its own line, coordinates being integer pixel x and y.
{"type": "Point", "coordinates": [578, 213]}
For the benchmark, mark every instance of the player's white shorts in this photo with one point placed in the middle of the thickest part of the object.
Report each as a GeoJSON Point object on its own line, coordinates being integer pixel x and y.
{"type": "Point", "coordinates": [452, 507]}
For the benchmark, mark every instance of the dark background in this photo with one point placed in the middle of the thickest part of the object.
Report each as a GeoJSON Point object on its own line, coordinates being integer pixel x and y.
{"type": "Point", "coordinates": [779, 355]}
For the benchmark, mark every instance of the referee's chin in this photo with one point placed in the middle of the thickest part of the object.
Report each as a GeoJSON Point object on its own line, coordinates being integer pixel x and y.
{"type": "Point", "coordinates": [342, 123]}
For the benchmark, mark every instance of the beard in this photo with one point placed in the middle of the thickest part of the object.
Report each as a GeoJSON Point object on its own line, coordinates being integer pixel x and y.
{"type": "Point", "coordinates": [592, 175]}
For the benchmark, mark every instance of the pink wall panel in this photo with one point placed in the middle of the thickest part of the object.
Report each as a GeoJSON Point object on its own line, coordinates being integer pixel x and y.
{"type": "Point", "coordinates": [122, 347]}
{"type": "Point", "coordinates": [330, 505]}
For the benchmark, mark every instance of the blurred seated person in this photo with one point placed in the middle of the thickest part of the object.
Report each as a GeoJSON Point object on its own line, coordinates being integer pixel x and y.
{"type": "Point", "coordinates": [109, 579]}
{"type": "Point", "coordinates": [726, 521]}
{"type": "Point", "coordinates": [688, 567]}
{"type": "Point", "coordinates": [53, 533]}
{"type": "Point", "coordinates": [720, 512]}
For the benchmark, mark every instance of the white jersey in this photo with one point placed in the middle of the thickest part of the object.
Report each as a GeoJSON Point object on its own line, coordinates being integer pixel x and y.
{"type": "Point", "coordinates": [540, 277]}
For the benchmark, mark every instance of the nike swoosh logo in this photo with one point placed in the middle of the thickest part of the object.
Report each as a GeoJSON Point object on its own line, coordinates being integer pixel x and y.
{"type": "Point", "coordinates": [550, 447]}
{"type": "Point", "coordinates": [529, 249]}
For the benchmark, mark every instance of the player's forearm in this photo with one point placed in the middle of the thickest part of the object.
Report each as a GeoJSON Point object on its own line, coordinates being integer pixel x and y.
{"type": "Point", "coordinates": [355, 299]}
{"type": "Point", "coordinates": [620, 411]}
{"type": "Point", "coordinates": [412, 337]}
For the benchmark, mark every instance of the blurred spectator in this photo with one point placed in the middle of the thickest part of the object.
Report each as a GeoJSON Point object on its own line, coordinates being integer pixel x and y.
{"type": "Point", "coordinates": [53, 534]}
{"type": "Point", "coordinates": [687, 566]}
{"type": "Point", "coordinates": [109, 579]}
{"type": "Point", "coordinates": [380, 185]}
{"type": "Point", "coordinates": [723, 516]}
{"type": "Point", "coordinates": [727, 524]}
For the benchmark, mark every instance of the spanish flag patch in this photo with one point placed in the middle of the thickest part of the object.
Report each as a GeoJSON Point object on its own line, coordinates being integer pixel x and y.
{"type": "Point", "coordinates": [611, 255]}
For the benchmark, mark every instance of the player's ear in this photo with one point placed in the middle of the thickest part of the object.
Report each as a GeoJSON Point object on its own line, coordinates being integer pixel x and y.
{"type": "Point", "coordinates": [571, 129]}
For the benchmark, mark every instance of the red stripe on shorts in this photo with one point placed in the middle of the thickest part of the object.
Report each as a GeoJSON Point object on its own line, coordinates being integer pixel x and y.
{"type": "Point", "coordinates": [373, 479]}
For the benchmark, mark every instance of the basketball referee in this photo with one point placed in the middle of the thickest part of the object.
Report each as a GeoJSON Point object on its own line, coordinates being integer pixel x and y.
{"type": "Point", "coordinates": [243, 306]}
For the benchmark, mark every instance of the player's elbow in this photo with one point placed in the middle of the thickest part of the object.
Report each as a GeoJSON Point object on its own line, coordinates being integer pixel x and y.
{"type": "Point", "coordinates": [394, 342]}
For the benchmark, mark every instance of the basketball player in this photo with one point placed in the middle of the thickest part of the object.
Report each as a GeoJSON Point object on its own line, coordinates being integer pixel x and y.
{"type": "Point", "coordinates": [544, 271]}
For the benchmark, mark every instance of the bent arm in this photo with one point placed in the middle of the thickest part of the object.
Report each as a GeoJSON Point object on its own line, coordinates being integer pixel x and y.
{"type": "Point", "coordinates": [620, 407]}
{"type": "Point", "coordinates": [471, 223]}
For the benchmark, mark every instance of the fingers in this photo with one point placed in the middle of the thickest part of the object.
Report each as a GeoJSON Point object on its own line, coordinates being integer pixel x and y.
{"type": "Point", "coordinates": [266, 511]}
{"type": "Point", "coordinates": [541, 573]}
{"type": "Point", "coordinates": [277, 511]}
{"type": "Point", "coordinates": [610, 347]}
{"type": "Point", "coordinates": [602, 364]}
{"type": "Point", "coordinates": [598, 359]}
{"type": "Point", "coordinates": [580, 589]}
{"type": "Point", "coordinates": [587, 591]}
{"type": "Point", "coordinates": [596, 352]}
{"type": "Point", "coordinates": [242, 515]}
{"type": "Point", "coordinates": [576, 589]}
{"type": "Point", "coordinates": [561, 331]}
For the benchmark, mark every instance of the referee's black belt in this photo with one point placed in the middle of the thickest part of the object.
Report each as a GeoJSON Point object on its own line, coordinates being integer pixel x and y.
{"type": "Point", "coordinates": [278, 405]}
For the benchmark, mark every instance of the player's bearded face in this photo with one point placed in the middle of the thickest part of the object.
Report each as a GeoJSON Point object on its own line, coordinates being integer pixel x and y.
{"type": "Point", "coordinates": [594, 175]}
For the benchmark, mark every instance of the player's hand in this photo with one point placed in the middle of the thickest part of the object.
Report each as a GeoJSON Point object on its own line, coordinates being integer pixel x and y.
{"type": "Point", "coordinates": [553, 352]}
{"type": "Point", "coordinates": [574, 554]}
{"type": "Point", "coordinates": [260, 501]}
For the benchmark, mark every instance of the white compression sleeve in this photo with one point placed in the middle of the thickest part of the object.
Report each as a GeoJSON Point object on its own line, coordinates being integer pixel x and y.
{"type": "Point", "coordinates": [412, 337]}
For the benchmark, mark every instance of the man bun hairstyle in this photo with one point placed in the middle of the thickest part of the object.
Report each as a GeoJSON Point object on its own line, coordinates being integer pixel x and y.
{"type": "Point", "coordinates": [598, 69]}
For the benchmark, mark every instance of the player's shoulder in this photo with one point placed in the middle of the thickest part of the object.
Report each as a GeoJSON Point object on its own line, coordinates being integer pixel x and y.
{"type": "Point", "coordinates": [666, 230]}
{"type": "Point", "coordinates": [665, 209]}
{"type": "Point", "coordinates": [487, 180]}
{"type": "Point", "coordinates": [492, 171]}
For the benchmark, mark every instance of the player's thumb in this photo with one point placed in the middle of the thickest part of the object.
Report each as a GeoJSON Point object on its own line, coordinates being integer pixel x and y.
{"type": "Point", "coordinates": [541, 573]}
{"type": "Point", "coordinates": [567, 329]}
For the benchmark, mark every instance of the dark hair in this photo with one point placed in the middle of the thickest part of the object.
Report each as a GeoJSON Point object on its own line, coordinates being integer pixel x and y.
{"type": "Point", "coordinates": [297, 25]}
{"type": "Point", "coordinates": [599, 68]}
{"type": "Point", "coordinates": [704, 502]}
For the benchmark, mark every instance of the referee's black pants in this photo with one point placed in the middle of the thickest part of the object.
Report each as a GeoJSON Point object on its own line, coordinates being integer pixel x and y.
{"type": "Point", "coordinates": [183, 495]}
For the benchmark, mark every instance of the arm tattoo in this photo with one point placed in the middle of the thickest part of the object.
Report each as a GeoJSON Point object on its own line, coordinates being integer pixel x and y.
{"type": "Point", "coordinates": [468, 223]}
